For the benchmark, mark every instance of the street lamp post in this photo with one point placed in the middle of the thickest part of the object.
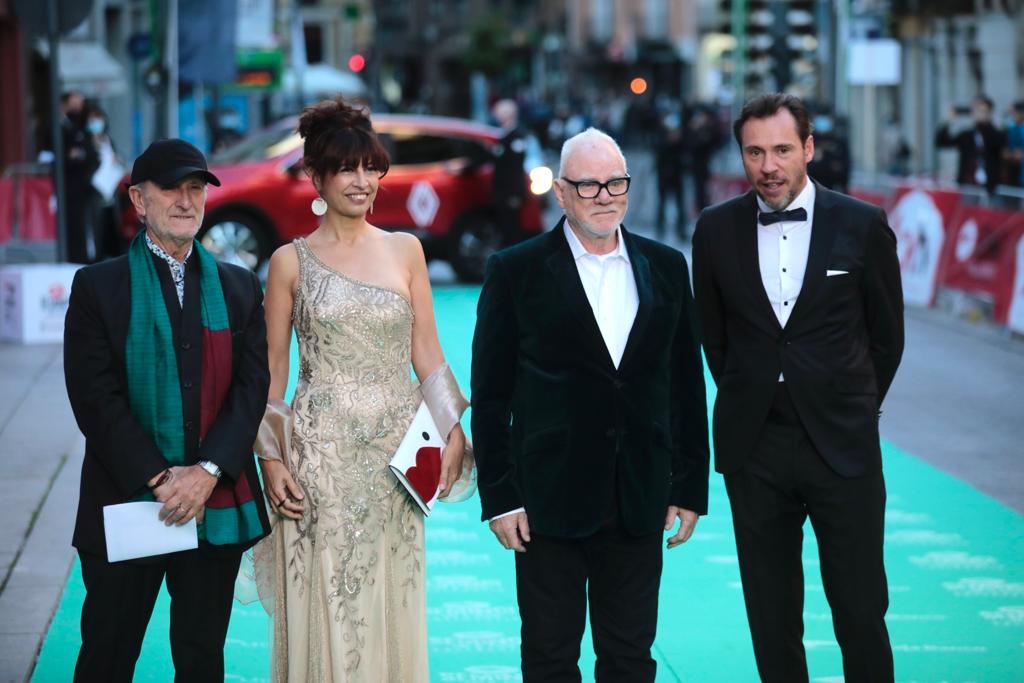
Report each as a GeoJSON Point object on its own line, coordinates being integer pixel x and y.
{"type": "Point", "coordinates": [55, 130]}
{"type": "Point", "coordinates": [738, 21]}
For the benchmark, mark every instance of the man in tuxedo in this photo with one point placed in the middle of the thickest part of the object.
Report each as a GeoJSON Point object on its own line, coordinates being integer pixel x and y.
{"type": "Point", "coordinates": [589, 420]}
{"type": "Point", "coordinates": [165, 360]}
{"type": "Point", "coordinates": [799, 294]}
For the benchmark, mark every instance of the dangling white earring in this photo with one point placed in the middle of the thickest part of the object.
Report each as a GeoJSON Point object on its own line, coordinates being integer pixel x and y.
{"type": "Point", "coordinates": [319, 206]}
{"type": "Point", "coordinates": [371, 207]}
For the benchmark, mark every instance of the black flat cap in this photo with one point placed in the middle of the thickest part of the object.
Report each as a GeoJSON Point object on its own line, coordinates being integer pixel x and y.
{"type": "Point", "coordinates": [165, 162]}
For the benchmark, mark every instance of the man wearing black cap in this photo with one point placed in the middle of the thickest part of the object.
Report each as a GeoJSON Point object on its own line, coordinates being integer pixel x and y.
{"type": "Point", "coordinates": [165, 360]}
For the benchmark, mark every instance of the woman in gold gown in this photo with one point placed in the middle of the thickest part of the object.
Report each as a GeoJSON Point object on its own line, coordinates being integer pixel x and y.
{"type": "Point", "coordinates": [343, 573]}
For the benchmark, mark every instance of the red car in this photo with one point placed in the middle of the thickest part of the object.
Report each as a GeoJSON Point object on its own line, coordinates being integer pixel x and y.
{"type": "Point", "coordinates": [438, 188]}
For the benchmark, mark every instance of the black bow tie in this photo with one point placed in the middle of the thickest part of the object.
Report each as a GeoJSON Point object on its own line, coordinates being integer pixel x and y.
{"type": "Point", "coordinates": [767, 218]}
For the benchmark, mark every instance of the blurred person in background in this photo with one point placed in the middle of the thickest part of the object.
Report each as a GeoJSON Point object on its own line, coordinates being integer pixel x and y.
{"type": "Point", "coordinates": [570, 118]}
{"type": "Point", "coordinates": [1015, 146]}
{"type": "Point", "coordinates": [980, 145]}
{"type": "Point", "coordinates": [895, 148]}
{"type": "Point", "coordinates": [831, 163]}
{"type": "Point", "coordinates": [701, 139]}
{"type": "Point", "coordinates": [670, 158]}
{"type": "Point", "coordinates": [105, 179]}
{"type": "Point", "coordinates": [81, 160]}
{"type": "Point", "coordinates": [508, 184]}
{"type": "Point", "coordinates": [798, 291]}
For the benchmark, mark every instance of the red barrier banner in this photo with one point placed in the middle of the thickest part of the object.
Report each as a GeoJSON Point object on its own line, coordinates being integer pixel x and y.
{"type": "Point", "coordinates": [920, 219]}
{"type": "Point", "coordinates": [979, 257]}
{"type": "Point", "coordinates": [1015, 314]}
{"type": "Point", "coordinates": [6, 209]}
{"type": "Point", "coordinates": [36, 203]}
{"type": "Point", "coordinates": [721, 187]}
{"type": "Point", "coordinates": [876, 198]}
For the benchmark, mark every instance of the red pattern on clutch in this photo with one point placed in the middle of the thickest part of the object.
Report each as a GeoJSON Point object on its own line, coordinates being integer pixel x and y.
{"type": "Point", "coordinates": [425, 475]}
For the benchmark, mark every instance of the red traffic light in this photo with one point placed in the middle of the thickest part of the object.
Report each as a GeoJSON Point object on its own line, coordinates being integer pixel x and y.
{"type": "Point", "coordinates": [356, 62]}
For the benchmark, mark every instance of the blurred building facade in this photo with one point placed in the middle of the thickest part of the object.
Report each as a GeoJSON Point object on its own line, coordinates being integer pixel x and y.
{"type": "Point", "coordinates": [609, 42]}
{"type": "Point", "coordinates": [952, 51]}
{"type": "Point", "coordinates": [456, 56]}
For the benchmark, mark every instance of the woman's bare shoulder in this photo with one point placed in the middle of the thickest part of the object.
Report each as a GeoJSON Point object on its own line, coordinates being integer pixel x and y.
{"type": "Point", "coordinates": [284, 264]}
{"type": "Point", "coordinates": [406, 247]}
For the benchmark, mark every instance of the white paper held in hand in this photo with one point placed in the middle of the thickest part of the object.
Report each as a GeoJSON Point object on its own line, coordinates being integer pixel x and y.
{"type": "Point", "coordinates": [134, 530]}
{"type": "Point", "coordinates": [417, 462]}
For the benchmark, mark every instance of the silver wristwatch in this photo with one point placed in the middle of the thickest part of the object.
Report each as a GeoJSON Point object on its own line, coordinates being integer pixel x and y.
{"type": "Point", "coordinates": [210, 468]}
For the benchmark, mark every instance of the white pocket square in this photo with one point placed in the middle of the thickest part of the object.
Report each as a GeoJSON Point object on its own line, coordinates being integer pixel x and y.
{"type": "Point", "coordinates": [830, 273]}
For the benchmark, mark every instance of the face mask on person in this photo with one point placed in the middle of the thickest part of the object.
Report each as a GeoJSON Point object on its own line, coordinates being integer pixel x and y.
{"type": "Point", "coordinates": [96, 126]}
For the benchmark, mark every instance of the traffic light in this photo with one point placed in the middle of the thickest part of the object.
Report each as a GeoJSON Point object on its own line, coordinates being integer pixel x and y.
{"type": "Point", "coordinates": [775, 43]}
{"type": "Point", "coordinates": [356, 63]}
{"type": "Point", "coordinates": [762, 44]}
{"type": "Point", "coordinates": [802, 43]}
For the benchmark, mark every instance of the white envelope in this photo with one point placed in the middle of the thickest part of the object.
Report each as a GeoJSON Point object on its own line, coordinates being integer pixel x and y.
{"type": "Point", "coordinates": [134, 530]}
{"type": "Point", "coordinates": [830, 273]}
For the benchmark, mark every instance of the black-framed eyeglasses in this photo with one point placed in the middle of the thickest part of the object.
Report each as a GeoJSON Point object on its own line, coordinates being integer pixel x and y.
{"type": "Point", "coordinates": [588, 189]}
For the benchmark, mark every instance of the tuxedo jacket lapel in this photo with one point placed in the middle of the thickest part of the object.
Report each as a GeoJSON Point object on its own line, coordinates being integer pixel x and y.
{"type": "Point", "coordinates": [750, 264]}
{"type": "Point", "coordinates": [823, 234]}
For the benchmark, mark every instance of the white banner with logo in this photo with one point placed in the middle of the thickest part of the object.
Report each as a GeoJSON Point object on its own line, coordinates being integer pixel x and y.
{"type": "Point", "coordinates": [920, 235]}
{"type": "Point", "coordinates": [34, 300]}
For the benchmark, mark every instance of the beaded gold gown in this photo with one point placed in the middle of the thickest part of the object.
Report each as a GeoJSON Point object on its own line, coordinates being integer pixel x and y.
{"type": "Point", "coordinates": [349, 586]}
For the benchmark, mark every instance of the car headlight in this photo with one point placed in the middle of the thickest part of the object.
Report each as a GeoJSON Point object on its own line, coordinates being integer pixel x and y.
{"type": "Point", "coordinates": [541, 179]}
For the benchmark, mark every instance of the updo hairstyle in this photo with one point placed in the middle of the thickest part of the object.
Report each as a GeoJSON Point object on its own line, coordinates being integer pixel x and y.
{"type": "Point", "coordinates": [339, 136]}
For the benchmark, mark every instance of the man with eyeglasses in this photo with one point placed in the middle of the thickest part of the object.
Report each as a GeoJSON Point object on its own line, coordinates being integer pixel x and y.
{"type": "Point", "coordinates": [589, 420]}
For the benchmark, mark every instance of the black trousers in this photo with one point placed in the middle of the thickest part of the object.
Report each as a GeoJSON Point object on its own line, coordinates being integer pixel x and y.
{"type": "Point", "coordinates": [119, 600]}
{"type": "Point", "coordinates": [781, 484]}
{"type": "Point", "coordinates": [509, 217]}
{"type": "Point", "coordinates": [671, 189]}
{"type": "Point", "coordinates": [619, 574]}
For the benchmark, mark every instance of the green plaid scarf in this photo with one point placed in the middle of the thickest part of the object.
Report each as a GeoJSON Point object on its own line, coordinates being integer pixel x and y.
{"type": "Point", "coordinates": [154, 387]}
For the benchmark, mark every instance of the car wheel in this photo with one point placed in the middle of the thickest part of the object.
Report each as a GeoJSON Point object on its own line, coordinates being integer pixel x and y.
{"type": "Point", "coordinates": [477, 235]}
{"type": "Point", "coordinates": [239, 238]}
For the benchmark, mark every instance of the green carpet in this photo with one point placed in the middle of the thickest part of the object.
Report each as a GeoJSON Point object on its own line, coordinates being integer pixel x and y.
{"type": "Point", "coordinates": [954, 559]}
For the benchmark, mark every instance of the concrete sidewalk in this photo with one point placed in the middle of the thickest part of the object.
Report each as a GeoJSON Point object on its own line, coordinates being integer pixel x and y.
{"type": "Point", "coordinates": [40, 461]}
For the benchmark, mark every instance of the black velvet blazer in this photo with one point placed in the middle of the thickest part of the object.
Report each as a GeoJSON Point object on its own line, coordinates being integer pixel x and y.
{"type": "Point", "coordinates": [557, 428]}
{"type": "Point", "coordinates": [842, 342]}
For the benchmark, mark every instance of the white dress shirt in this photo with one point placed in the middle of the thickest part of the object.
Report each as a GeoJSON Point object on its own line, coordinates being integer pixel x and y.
{"type": "Point", "coordinates": [611, 290]}
{"type": "Point", "coordinates": [782, 250]}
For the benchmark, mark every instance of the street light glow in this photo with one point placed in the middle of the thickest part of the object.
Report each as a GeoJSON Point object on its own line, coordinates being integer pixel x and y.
{"type": "Point", "coordinates": [638, 86]}
{"type": "Point", "coordinates": [541, 179]}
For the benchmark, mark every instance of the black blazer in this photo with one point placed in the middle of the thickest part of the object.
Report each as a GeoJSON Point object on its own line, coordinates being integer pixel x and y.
{"type": "Point", "coordinates": [119, 456]}
{"type": "Point", "coordinates": [993, 142]}
{"type": "Point", "coordinates": [841, 345]}
{"type": "Point", "coordinates": [559, 430]}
